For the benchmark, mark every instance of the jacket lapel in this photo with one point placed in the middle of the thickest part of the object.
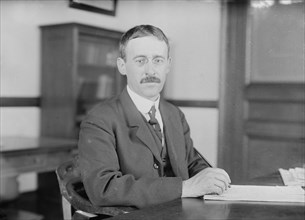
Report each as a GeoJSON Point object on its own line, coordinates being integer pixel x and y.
{"type": "Point", "coordinates": [137, 124]}
{"type": "Point", "coordinates": [174, 139]}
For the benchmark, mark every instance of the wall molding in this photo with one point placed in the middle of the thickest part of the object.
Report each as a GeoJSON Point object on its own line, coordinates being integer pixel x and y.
{"type": "Point", "coordinates": [194, 103]}
{"type": "Point", "coordinates": [20, 101]}
{"type": "Point", "coordinates": [36, 102]}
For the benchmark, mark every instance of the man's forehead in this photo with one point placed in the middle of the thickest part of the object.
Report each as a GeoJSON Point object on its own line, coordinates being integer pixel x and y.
{"type": "Point", "coordinates": [148, 44]}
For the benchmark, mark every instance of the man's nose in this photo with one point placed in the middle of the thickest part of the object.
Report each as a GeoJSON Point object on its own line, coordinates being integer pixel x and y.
{"type": "Point", "coordinates": [149, 68]}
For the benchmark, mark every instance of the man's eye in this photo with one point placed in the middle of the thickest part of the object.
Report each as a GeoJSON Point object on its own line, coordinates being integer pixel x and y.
{"type": "Point", "coordinates": [158, 61]}
{"type": "Point", "coordinates": [140, 61]}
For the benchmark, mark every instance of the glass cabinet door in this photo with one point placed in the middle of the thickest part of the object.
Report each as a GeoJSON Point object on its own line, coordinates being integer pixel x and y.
{"type": "Point", "coordinates": [97, 71]}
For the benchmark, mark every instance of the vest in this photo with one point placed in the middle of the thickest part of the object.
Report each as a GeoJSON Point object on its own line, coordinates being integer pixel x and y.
{"type": "Point", "coordinates": [166, 168]}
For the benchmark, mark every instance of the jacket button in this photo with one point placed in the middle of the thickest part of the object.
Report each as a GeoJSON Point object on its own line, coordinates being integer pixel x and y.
{"type": "Point", "coordinates": [156, 166]}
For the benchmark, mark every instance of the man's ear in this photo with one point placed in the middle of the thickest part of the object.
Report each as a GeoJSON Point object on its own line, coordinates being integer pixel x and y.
{"type": "Point", "coordinates": [121, 65]}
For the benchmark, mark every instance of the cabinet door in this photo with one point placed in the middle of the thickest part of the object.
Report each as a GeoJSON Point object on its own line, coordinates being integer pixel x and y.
{"type": "Point", "coordinates": [97, 75]}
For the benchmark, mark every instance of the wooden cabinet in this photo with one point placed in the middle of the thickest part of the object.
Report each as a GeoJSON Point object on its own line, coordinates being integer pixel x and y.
{"type": "Point", "coordinates": [78, 70]}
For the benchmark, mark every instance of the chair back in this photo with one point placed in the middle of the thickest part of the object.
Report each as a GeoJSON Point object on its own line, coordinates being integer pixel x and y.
{"type": "Point", "coordinates": [72, 189]}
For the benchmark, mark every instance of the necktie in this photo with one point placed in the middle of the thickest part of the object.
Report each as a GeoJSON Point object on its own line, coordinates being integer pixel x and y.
{"type": "Point", "coordinates": [153, 121]}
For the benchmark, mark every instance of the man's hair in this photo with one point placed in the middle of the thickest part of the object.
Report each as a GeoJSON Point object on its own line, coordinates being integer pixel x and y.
{"type": "Point", "coordinates": [141, 31]}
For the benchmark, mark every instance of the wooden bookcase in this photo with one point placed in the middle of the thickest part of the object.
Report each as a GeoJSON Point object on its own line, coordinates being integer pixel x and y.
{"type": "Point", "coordinates": [78, 66]}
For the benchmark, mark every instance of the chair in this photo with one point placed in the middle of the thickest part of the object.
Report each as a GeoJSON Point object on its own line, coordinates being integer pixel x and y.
{"type": "Point", "coordinates": [73, 194]}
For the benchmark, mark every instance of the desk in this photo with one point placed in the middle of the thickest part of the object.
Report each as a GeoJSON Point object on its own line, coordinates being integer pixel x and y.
{"type": "Point", "coordinates": [194, 208]}
{"type": "Point", "coordinates": [22, 154]}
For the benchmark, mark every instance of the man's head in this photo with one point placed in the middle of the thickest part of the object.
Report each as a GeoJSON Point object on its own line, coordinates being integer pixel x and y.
{"type": "Point", "coordinates": [141, 31]}
{"type": "Point", "coordinates": [144, 59]}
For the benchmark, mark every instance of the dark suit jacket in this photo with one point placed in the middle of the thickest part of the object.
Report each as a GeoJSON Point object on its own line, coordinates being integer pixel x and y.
{"type": "Point", "coordinates": [120, 162]}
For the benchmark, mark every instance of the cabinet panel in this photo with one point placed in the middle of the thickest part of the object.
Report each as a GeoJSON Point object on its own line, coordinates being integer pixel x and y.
{"type": "Point", "coordinates": [263, 161]}
{"type": "Point", "coordinates": [97, 51]}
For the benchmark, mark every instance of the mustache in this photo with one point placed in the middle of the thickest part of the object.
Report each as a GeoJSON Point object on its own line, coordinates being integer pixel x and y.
{"type": "Point", "coordinates": [150, 79]}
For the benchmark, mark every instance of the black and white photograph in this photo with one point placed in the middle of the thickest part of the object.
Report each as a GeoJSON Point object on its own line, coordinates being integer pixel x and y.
{"type": "Point", "coordinates": [152, 109]}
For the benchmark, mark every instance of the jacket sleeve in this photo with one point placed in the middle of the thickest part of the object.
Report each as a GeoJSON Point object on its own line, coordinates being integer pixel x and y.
{"type": "Point", "coordinates": [104, 183]}
{"type": "Point", "coordinates": [196, 162]}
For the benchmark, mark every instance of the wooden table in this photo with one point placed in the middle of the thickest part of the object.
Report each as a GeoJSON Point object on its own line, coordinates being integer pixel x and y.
{"type": "Point", "coordinates": [22, 154]}
{"type": "Point", "coordinates": [195, 208]}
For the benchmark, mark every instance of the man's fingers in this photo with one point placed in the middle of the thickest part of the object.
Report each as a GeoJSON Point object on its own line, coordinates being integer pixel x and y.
{"type": "Point", "coordinates": [218, 190]}
{"type": "Point", "coordinates": [224, 182]}
{"type": "Point", "coordinates": [221, 185]}
{"type": "Point", "coordinates": [212, 180]}
{"type": "Point", "coordinates": [223, 172]}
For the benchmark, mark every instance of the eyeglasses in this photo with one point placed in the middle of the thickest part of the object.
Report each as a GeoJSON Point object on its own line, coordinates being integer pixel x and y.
{"type": "Point", "coordinates": [142, 60]}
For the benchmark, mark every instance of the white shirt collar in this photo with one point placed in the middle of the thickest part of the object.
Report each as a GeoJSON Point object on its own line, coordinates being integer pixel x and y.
{"type": "Point", "coordinates": [142, 104]}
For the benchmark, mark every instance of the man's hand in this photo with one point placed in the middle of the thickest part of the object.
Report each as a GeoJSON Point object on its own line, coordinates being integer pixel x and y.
{"type": "Point", "coordinates": [209, 180]}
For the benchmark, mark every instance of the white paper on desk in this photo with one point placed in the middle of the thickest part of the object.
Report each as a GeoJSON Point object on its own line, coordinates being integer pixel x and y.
{"type": "Point", "coordinates": [261, 193]}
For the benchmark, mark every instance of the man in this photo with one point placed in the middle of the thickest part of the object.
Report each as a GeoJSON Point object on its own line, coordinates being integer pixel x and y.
{"type": "Point", "coordinates": [136, 150]}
